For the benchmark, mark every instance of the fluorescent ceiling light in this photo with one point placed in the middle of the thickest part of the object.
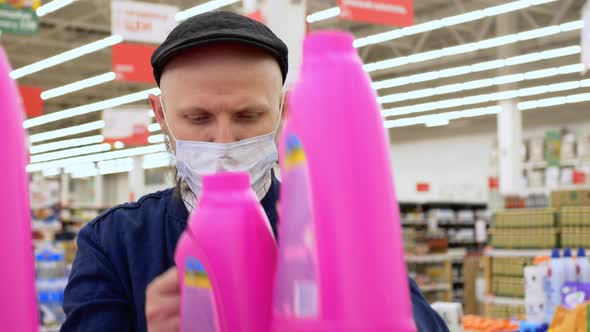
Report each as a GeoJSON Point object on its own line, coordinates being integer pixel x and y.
{"type": "Point", "coordinates": [522, 106]}
{"type": "Point", "coordinates": [461, 70]}
{"type": "Point", "coordinates": [323, 15]}
{"type": "Point", "coordinates": [70, 153]}
{"type": "Point", "coordinates": [156, 139]}
{"type": "Point", "coordinates": [154, 127]}
{"type": "Point", "coordinates": [51, 172]}
{"type": "Point", "coordinates": [79, 85]}
{"type": "Point", "coordinates": [49, 135]}
{"type": "Point", "coordinates": [481, 83]}
{"type": "Point", "coordinates": [436, 122]}
{"type": "Point", "coordinates": [477, 99]}
{"type": "Point", "coordinates": [66, 56]}
{"type": "Point", "coordinates": [155, 160]}
{"type": "Point", "coordinates": [123, 165]}
{"type": "Point", "coordinates": [66, 144]}
{"type": "Point", "coordinates": [449, 21]}
{"type": "Point", "coordinates": [97, 157]}
{"type": "Point", "coordinates": [488, 43]}
{"type": "Point", "coordinates": [200, 9]}
{"type": "Point", "coordinates": [52, 6]}
{"type": "Point", "coordinates": [89, 108]}
{"type": "Point", "coordinates": [118, 145]}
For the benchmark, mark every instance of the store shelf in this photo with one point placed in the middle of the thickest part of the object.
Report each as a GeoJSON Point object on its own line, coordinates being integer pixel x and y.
{"type": "Point", "coordinates": [48, 329]}
{"type": "Point", "coordinates": [517, 252]}
{"type": "Point", "coordinates": [452, 255]}
{"type": "Point", "coordinates": [435, 288]}
{"type": "Point", "coordinates": [406, 222]}
{"type": "Point", "coordinates": [563, 163]}
{"type": "Point", "coordinates": [504, 300]}
{"type": "Point", "coordinates": [45, 227]}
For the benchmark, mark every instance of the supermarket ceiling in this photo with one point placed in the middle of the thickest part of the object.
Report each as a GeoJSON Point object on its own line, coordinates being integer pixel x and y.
{"type": "Point", "coordinates": [86, 21]}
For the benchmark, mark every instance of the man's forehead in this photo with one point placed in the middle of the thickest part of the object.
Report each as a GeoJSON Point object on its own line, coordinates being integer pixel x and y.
{"type": "Point", "coordinates": [224, 53]}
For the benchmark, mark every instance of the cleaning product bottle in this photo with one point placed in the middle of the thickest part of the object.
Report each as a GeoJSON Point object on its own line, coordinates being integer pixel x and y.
{"type": "Point", "coordinates": [555, 279]}
{"type": "Point", "coordinates": [569, 265]}
{"type": "Point", "coordinates": [226, 259]}
{"type": "Point", "coordinates": [18, 307]}
{"type": "Point", "coordinates": [582, 267]}
{"type": "Point", "coordinates": [341, 265]}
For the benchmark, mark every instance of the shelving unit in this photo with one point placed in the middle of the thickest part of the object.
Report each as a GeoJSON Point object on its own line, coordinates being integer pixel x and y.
{"type": "Point", "coordinates": [418, 224]}
{"type": "Point", "coordinates": [447, 259]}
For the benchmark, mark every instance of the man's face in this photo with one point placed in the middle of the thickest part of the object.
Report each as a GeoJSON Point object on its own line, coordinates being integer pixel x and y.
{"type": "Point", "coordinates": [220, 93]}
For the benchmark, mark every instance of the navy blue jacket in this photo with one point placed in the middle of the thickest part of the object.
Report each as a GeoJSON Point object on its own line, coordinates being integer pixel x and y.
{"type": "Point", "coordinates": [125, 248]}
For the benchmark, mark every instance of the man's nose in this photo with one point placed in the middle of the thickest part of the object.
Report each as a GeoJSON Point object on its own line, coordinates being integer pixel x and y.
{"type": "Point", "coordinates": [224, 133]}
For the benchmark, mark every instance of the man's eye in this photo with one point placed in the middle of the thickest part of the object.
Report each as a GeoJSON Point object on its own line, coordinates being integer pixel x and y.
{"type": "Point", "coordinates": [200, 119]}
{"type": "Point", "coordinates": [248, 116]}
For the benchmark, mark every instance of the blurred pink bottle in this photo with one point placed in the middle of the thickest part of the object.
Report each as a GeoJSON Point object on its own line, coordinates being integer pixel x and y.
{"type": "Point", "coordinates": [340, 265]}
{"type": "Point", "coordinates": [18, 307]}
{"type": "Point", "coordinates": [226, 260]}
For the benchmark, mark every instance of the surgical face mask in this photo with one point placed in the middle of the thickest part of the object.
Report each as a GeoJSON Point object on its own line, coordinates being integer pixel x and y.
{"type": "Point", "coordinates": [257, 156]}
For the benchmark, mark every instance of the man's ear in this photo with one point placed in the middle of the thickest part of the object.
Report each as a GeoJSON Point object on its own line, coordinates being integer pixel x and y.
{"type": "Point", "coordinates": [156, 105]}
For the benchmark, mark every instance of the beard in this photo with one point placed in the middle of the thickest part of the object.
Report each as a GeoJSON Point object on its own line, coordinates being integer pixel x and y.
{"type": "Point", "coordinates": [181, 189]}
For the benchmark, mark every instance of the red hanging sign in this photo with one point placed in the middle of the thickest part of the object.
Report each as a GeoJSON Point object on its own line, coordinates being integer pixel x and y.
{"type": "Point", "coordinates": [493, 183]}
{"type": "Point", "coordinates": [422, 187]}
{"type": "Point", "coordinates": [32, 102]}
{"type": "Point", "coordinates": [131, 63]}
{"type": "Point", "coordinates": [257, 16]}
{"type": "Point", "coordinates": [578, 177]}
{"type": "Point", "coordinates": [385, 12]}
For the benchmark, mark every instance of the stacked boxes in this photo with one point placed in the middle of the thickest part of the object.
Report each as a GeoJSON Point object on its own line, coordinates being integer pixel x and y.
{"type": "Point", "coordinates": [508, 286]}
{"type": "Point", "coordinates": [562, 198]}
{"type": "Point", "coordinates": [507, 276]}
{"type": "Point", "coordinates": [525, 229]}
{"type": "Point", "coordinates": [575, 226]}
{"type": "Point", "coordinates": [506, 311]}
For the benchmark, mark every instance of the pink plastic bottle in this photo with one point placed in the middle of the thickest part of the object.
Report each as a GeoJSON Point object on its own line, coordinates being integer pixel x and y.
{"type": "Point", "coordinates": [341, 265]}
{"type": "Point", "coordinates": [226, 260]}
{"type": "Point", "coordinates": [18, 307]}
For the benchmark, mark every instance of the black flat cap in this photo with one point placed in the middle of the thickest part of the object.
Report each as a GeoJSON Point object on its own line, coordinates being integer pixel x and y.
{"type": "Point", "coordinates": [215, 27]}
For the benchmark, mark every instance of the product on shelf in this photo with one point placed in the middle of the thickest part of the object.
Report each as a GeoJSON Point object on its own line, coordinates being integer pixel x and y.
{"type": "Point", "coordinates": [536, 148]}
{"type": "Point", "coordinates": [582, 267]}
{"type": "Point", "coordinates": [510, 266]}
{"type": "Point", "coordinates": [583, 146]}
{"type": "Point", "coordinates": [451, 313]}
{"type": "Point", "coordinates": [535, 298]}
{"type": "Point", "coordinates": [525, 228]}
{"type": "Point", "coordinates": [537, 200]}
{"type": "Point", "coordinates": [565, 198]}
{"type": "Point", "coordinates": [51, 273]}
{"type": "Point", "coordinates": [568, 146]}
{"type": "Point", "coordinates": [524, 238]}
{"type": "Point", "coordinates": [553, 147]}
{"type": "Point", "coordinates": [484, 324]}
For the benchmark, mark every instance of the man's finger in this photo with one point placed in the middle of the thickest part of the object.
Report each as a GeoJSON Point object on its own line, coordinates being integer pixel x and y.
{"type": "Point", "coordinates": [162, 307]}
{"type": "Point", "coordinates": [167, 282]}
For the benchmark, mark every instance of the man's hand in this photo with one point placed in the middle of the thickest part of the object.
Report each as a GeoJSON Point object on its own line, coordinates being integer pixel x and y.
{"type": "Point", "coordinates": [162, 305]}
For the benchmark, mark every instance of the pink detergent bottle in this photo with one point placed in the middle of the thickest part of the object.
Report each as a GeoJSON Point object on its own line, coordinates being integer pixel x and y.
{"type": "Point", "coordinates": [18, 307]}
{"type": "Point", "coordinates": [340, 265]}
{"type": "Point", "coordinates": [226, 259]}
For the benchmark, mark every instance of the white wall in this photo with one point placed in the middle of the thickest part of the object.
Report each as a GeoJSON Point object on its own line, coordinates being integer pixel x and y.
{"type": "Point", "coordinates": [455, 167]}
{"type": "Point", "coordinates": [455, 159]}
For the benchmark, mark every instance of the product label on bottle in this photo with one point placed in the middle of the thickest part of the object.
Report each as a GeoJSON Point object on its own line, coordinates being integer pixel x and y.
{"type": "Point", "coordinates": [296, 282]}
{"type": "Point", "coordinates": [198, 303]}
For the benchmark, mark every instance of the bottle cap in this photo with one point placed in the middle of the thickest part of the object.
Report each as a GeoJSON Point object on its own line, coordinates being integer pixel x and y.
{"type": "Point", "coordinates": [567, 252]}
{"type": "Point", "coordinates": [581, 252]}
{"type": "Point", "coordinates": [555, 253]}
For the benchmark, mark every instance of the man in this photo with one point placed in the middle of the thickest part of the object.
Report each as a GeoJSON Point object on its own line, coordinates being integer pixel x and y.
{"type": "Point", "coordinates": [221, 78]}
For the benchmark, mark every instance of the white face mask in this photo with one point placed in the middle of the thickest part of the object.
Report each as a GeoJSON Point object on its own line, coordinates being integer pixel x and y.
{"type": "Point", "coordinates": [257, 156]}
